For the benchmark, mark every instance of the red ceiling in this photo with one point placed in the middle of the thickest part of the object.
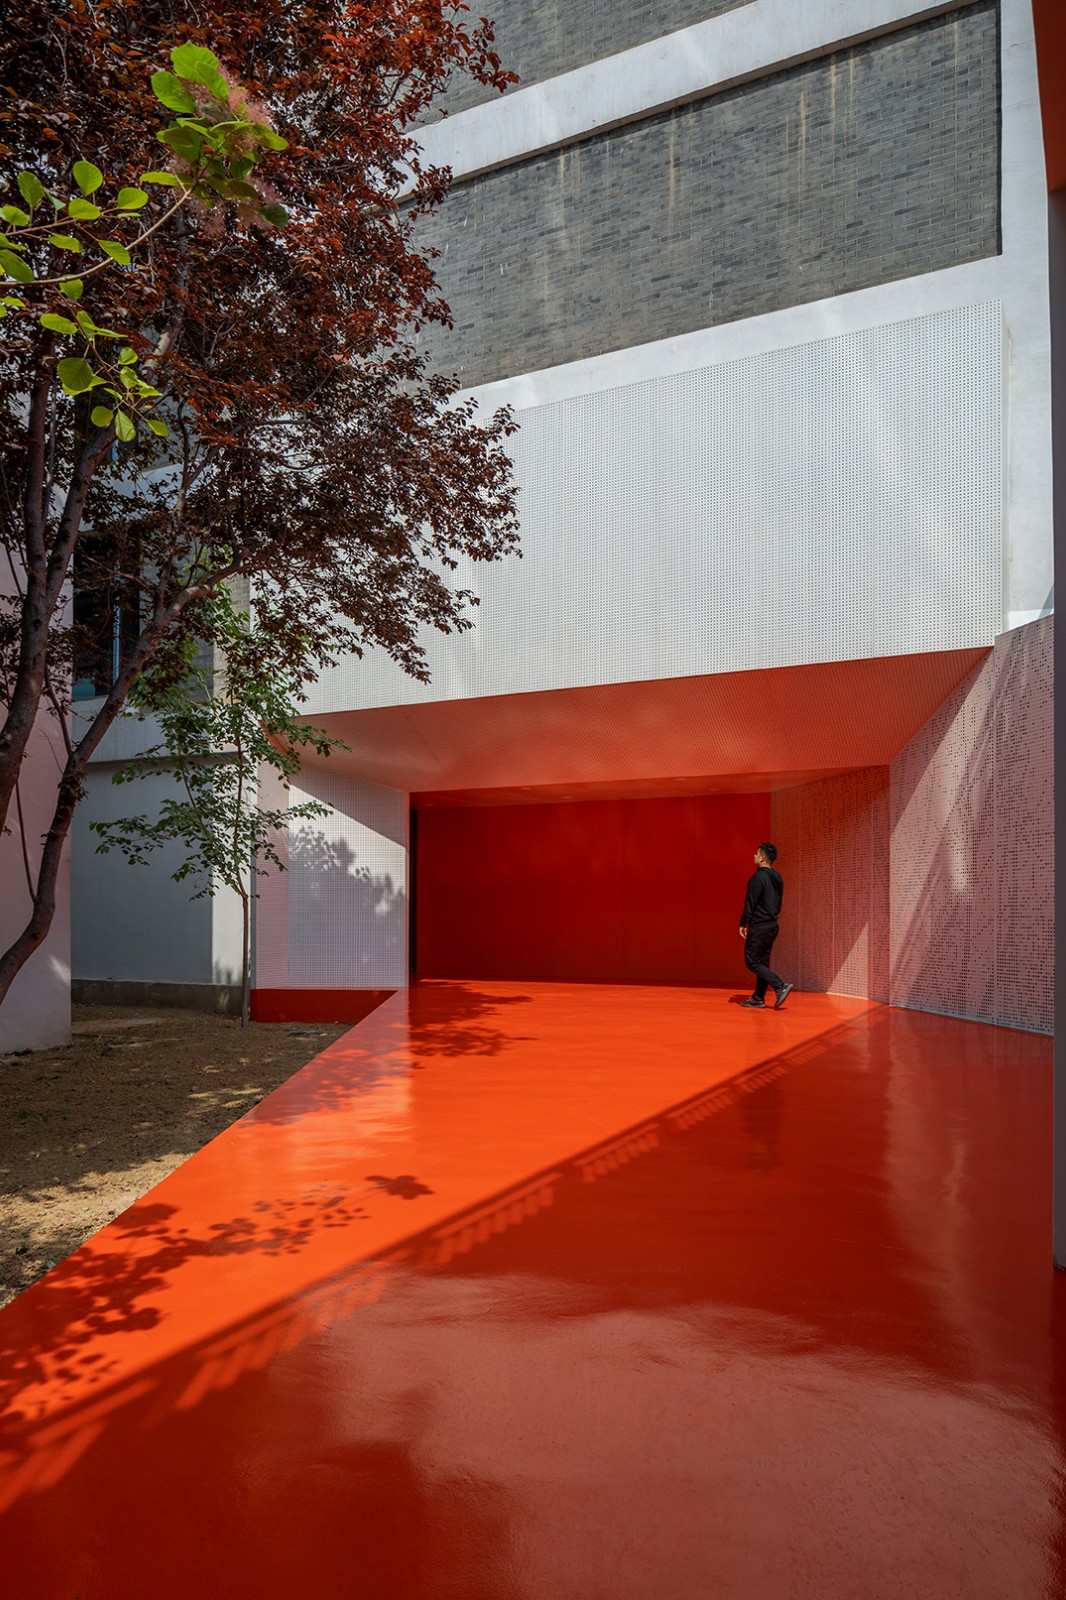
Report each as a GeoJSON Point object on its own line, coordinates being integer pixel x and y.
{"type": "Point", "coordinates": [734, 732]}
{"type": "Point", "coordinates": [1049, 17]}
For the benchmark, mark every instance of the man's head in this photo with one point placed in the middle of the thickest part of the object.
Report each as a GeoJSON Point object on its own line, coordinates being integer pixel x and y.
{"type": "Point", "coordinates": [766, 855]}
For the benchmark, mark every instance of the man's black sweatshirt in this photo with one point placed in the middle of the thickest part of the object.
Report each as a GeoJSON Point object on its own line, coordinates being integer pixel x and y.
{"type": "Point", "coordinates": [762, 903]}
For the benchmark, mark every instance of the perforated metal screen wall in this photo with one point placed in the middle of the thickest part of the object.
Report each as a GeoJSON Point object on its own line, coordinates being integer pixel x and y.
{"type": "Point", "coordinates": [931, 883]}
{"type": "Point", "coordinates": [836, 500]}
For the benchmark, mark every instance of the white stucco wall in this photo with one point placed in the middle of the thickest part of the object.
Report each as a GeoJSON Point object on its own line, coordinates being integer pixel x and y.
{"type": "Point", "coordinates": [135, 924]}
{"type": "Point", "coordinates": [336, 918]}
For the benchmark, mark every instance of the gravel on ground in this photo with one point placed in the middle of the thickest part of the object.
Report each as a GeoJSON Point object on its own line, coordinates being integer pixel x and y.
{"type": "Point", "coordinates": [87, 1129]}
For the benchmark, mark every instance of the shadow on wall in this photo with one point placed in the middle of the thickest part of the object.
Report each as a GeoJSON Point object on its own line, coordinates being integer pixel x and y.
{"type": "Point", "coordinates": [943, 936]}
{"type": "Point", "coordinates": [972, 850]}
{"type": "Point", "coordinates": [930, 883]}
{"type": "Point", "coordinates": [348, 924]}
{"type": "Point", "coordinates": [833, 839]}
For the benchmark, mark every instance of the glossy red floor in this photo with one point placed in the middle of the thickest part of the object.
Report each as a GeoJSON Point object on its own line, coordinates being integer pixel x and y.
{"type": "Point", "coordinates": [561, 1292]}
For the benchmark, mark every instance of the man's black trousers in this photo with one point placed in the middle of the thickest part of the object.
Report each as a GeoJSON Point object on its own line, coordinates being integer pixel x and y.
{"type": "Point", "coordinates": [757, 947]}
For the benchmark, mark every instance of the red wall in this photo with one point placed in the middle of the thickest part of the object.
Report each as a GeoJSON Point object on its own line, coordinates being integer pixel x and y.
{"type": "Point", "coordinates": [620, 891]}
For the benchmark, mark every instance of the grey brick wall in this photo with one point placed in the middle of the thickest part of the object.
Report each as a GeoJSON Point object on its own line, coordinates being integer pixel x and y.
{"type": "Point", "coordinates": [877, 163]}
{"type": "Point", "coordinates": [540, 38]}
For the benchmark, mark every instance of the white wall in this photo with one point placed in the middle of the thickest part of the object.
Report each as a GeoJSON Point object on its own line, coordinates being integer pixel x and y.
{"type": "Point", "coordinates": [135, 924]}
{"type": "Point", "coordinates": [337, 917]}
{"type": "Point", "coordinates": [772, 507]}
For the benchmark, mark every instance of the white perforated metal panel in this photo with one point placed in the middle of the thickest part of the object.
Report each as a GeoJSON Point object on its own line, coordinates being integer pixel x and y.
{"type": "Point", "coordinates": [835, 500]}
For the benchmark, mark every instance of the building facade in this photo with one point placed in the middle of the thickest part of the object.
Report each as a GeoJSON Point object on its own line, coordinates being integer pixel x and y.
{"type": "Point", "coordinates": [767, 288]}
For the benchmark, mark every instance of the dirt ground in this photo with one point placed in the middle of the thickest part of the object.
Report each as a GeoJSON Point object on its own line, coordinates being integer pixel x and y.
{"type": "Point", "coordinates": [87, 1129]}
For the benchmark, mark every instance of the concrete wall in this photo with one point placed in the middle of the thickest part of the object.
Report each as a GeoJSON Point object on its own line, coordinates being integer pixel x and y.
{"type": "Point", "coordinates": [878, 163]}
{"type": "Point", "coordinates": [932, 885]}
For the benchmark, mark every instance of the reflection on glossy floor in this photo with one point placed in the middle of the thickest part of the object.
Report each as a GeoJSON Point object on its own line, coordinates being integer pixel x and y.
{"type": "Point", "coordinates": [549, 1292]}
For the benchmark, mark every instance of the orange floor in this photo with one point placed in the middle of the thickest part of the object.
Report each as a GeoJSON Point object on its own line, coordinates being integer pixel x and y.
{"type": "Point", "coordinates": [550, 1292]}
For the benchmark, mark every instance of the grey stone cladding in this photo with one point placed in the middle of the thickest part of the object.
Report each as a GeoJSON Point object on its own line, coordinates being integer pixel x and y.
{"type": "Point", "coordinates": [877, 163]}
{"type": "Point", "coordinates": [538, 39]}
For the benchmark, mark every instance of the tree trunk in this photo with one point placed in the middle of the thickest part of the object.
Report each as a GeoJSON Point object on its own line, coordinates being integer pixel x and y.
{"type": "Point", "coordinates": [44, 902]}
{"type": "Point", "coordinates": [246, 966]}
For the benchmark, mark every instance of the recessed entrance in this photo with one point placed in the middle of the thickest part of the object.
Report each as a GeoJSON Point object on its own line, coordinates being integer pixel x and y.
{"type": "Point", "coordinates": [616, 891]}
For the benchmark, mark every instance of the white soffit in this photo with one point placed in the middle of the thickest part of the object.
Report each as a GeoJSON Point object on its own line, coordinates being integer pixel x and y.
{"type": "Point", "coordinates": [743, 731]}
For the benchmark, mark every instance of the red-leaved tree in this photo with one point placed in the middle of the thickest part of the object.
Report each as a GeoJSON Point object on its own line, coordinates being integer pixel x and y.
{"type": "Point", "coordinates": [267, 326]}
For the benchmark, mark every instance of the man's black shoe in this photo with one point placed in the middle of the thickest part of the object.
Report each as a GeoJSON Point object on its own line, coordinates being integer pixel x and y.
{"type": "Point", "coordinates": [756, 1005]}
{"type": "Point", "coordinates": [783, 994]}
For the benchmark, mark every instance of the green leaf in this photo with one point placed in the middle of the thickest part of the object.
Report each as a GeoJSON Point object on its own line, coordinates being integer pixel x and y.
{"type": "Point", "coordinates": [16, 217]}
{"type": "Point", "coordinates": [101, 417]}
{"type": "Point", "coordinates": [63, 241]}
{"type": "Point", "coordinates": [193, 61]}
{"type": "Point", "coordinates": [57, 324]}
{"type": "Point", "coordinates": [15, 267]}
{"type": "Point", "coordinates": [30, 188]}
{"type": "Point", "coordinates": [157, 427]}
{"type": "Point", "coordinates": [91, 328]}
{"type": "Point", "coordinates": [267, 136]}
{"type": "Point", "coordinates": [11, 300]}
{"type": "Point", "coordinates": [11, 244]}
{"type": "Point", "coordinates": [169, 180]}
{"type": "Point", "coordinates": [172, 92]}
{"type": "Point", "coordinates": [72, 288]}
{"type": "Point", "coordinates": [127, 379]}
{"type": "Point", "coordinates": [131, 199]}
{"type": "Point", "coordinates": [126, 356]}
{"type": "Point", "coordinates": [87, 177]}
{"type": "Point", "coordinates": [182, 141]}
{"type": "Point", "coordinates": [275, 214]}
{"type": "Point", "coordinates": [76, 375]}
{"type": "Point", "coordinates": [124, 427]}
{"type": "Point", "coordinates": [199, 65]}
{"type": "Point", "coordinates": [116, 250]}
{"type": "Point", "coordinates": [234, 189]}
{"type": "Point", "coordinates": [84, 210]}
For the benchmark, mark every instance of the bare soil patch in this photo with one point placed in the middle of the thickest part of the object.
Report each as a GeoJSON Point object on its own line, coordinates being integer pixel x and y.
{"type": "Point", "coordinates": [88, 1129]}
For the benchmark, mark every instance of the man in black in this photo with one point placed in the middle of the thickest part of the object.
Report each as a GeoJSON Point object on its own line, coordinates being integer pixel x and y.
{"type": "Point", "coordinates": [758, 928]}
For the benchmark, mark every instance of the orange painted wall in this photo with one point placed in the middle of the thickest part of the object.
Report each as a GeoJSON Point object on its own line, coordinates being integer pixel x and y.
{"type": "Point", "coordinates": [1049, 18]}
{"type": "Point", "coordinates": [621, 891]}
